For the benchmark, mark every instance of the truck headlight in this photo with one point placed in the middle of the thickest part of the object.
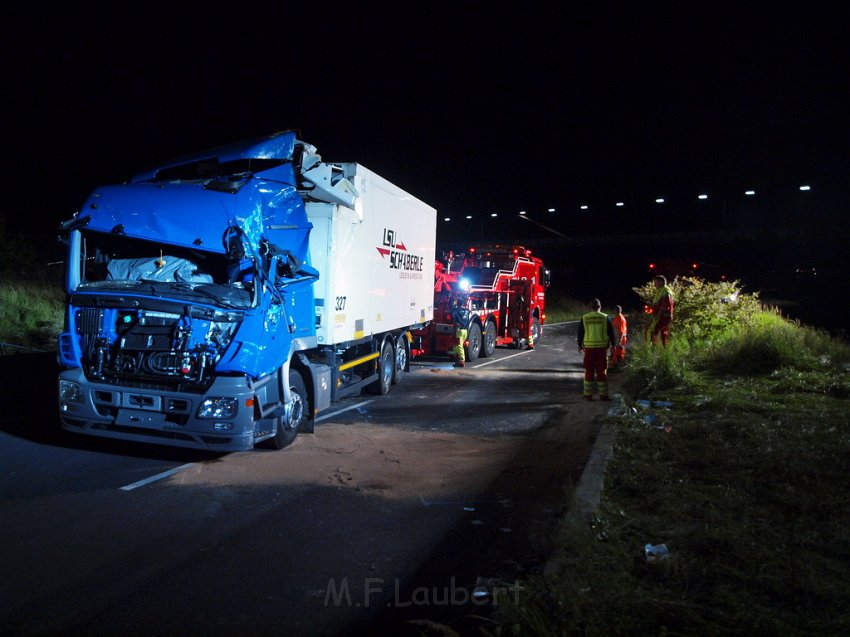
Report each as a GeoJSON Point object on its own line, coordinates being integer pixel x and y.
{"type": "Point", "coordinates": [70, 392]}
{"type": "Point", "coordinates": [217, 408]}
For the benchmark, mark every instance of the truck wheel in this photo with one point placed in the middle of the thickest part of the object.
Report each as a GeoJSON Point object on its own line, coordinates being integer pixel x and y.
{"type": "Point", "coordinates": [488, 345]}
{"type": "Point", "coordinates": [401, 356]}
{"type": "Point", "coordinates": [286, 432]}
{"type": "Point", "coordinates": [386, 366]}
{"type": "Point", "coordinates": [536, 330]}
{"type": "Point", "coordinates": [474, 338]}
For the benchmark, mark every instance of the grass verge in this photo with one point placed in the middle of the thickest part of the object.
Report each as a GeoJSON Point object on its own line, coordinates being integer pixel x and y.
{"type": "Point", "coordinates": [30, 315]}
{"type": "Point", "coordinates": [743, 478]}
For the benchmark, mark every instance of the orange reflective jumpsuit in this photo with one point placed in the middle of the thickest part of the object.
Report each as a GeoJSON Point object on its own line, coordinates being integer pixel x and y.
{"type": "Point", "coordinates": [621, 337]}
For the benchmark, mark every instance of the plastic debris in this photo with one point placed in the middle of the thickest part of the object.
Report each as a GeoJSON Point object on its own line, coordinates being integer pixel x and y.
{"type": "Point", "coordinates": [644, 404]}
{"type": "Point", "coordinates": [663, 403]}
{"type": "Point", "coordinates": [656, 552]}
{"type": "Point", "coordinates": [651, 419]}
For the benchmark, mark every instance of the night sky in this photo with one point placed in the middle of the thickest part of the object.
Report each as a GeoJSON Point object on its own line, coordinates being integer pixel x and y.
{"type": "Point", "coordinates": [475, 108]}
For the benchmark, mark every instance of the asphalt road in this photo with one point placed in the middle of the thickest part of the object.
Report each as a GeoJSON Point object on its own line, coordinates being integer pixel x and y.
{"type": "Point", "coordinates": [427, 503]}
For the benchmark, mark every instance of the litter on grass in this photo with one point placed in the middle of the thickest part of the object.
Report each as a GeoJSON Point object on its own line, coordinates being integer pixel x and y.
{"type": "Point", "coordinates": [656, 552]}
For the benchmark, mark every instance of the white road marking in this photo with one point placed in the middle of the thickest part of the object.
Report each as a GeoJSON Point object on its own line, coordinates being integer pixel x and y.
{"type": "Point", "coordinates": [331, 415]}
{"type": "Point", "coordinates": [159, 476]}
{"type": "Point", "coordinates": [499, 360]}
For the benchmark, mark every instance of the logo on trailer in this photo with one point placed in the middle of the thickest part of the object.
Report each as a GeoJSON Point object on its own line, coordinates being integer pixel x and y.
{"type": "Point", "coordinates": [396, 253]}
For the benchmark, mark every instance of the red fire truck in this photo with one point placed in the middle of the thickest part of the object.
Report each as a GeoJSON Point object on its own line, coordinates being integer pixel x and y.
{"type": "Point", "coordinates": [504, 289]}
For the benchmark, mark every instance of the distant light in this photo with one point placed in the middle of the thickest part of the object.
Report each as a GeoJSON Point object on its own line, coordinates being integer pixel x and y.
{"type": "Point", "coordinates": [551, 210]}
{"type": "Point", "coordinates": [749, 193]}
{"type": "Point", "coordinates": [584, 207]}
{"type": "Point", "coordinates": [494, 214]}
{"type": "Point", "coordinates": [522, 212]}
{"type": "Point", "coordinates": [702, 197]}
{"type": "Point", "coordinates": [464, 284]}
{"type": "Point", "coordinates": [620, 204]}
{"type": "Point", "coordinates": [469, 216]}
{"type": "Point", "coordinates": [659, 200]}
{"type": "Point", "coordinates": [447, 218]}
{"type": "Point", "coordinates": [805, 187]}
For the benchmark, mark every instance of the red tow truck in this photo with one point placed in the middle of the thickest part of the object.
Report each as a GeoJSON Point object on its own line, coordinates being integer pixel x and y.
{"type": "Point", "coordinates": [504, 289]}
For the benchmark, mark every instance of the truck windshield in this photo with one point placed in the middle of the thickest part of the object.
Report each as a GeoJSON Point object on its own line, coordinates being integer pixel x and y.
{"type": "Point", "coordinates": [114, 263]}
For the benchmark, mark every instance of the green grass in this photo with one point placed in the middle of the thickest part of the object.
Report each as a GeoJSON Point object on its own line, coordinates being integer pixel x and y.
{"type": "Point", "coordinates": [745, 479]}
{"type": "Point", "coordinates": [560, 309]}
{"type": "Point", "coordinates": [30, 314]}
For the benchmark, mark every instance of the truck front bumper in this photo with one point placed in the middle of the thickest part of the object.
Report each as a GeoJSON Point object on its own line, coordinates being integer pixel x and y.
{"type": "Point", "coordinates": [156, 416]}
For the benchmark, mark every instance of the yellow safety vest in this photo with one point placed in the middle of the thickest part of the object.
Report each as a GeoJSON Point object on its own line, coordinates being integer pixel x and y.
{"type": "Point", "coordinates": [595, 329]}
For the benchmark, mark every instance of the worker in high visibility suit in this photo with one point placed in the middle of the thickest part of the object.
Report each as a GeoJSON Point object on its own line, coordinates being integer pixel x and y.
{"type": "Point", "coordinates": [621, 336]}
{"type": "Point", "coordinates": [460, 319]}
{"type": "Point", "coordinates": [661, 310]}
{"type": "Point", "coordinates": [595, 336]}
{"type": "Point", "coordinates": [522, 309]}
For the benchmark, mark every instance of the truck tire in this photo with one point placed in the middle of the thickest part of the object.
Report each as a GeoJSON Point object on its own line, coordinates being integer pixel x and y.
{"type": "Point", "coordinates": [488, 344]}
{"type": "Point", "coordinates": [401, 357]}
{"type": "Point", "coordinates": [473, 337]}
{"type": "Point", "coordinates": [285, 433]}
{"type": "Point", "coordinates": [386, 367]}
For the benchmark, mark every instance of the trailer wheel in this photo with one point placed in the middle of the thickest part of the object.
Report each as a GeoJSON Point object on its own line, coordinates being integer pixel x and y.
{"type": "Point", "coordinates": [488, 345]}
{"type": "Point", "coordinates": [386, 367]}
{"type": "Point", "coordinates": [286, 431]}
{"type": "Point", "coordinates": [401, 356]}
{"type": "Point", "coordinates": [473, 337]}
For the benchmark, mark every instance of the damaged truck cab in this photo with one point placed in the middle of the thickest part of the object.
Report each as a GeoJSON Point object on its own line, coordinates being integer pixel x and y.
{"type": "Point", "coordinates": [223, 299]}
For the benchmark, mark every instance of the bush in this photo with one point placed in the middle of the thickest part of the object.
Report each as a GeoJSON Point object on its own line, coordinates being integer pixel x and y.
{"type": "Point", "coordinates": [707, 311]}
{"type": "Point", "coordinates": [772, 343]}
